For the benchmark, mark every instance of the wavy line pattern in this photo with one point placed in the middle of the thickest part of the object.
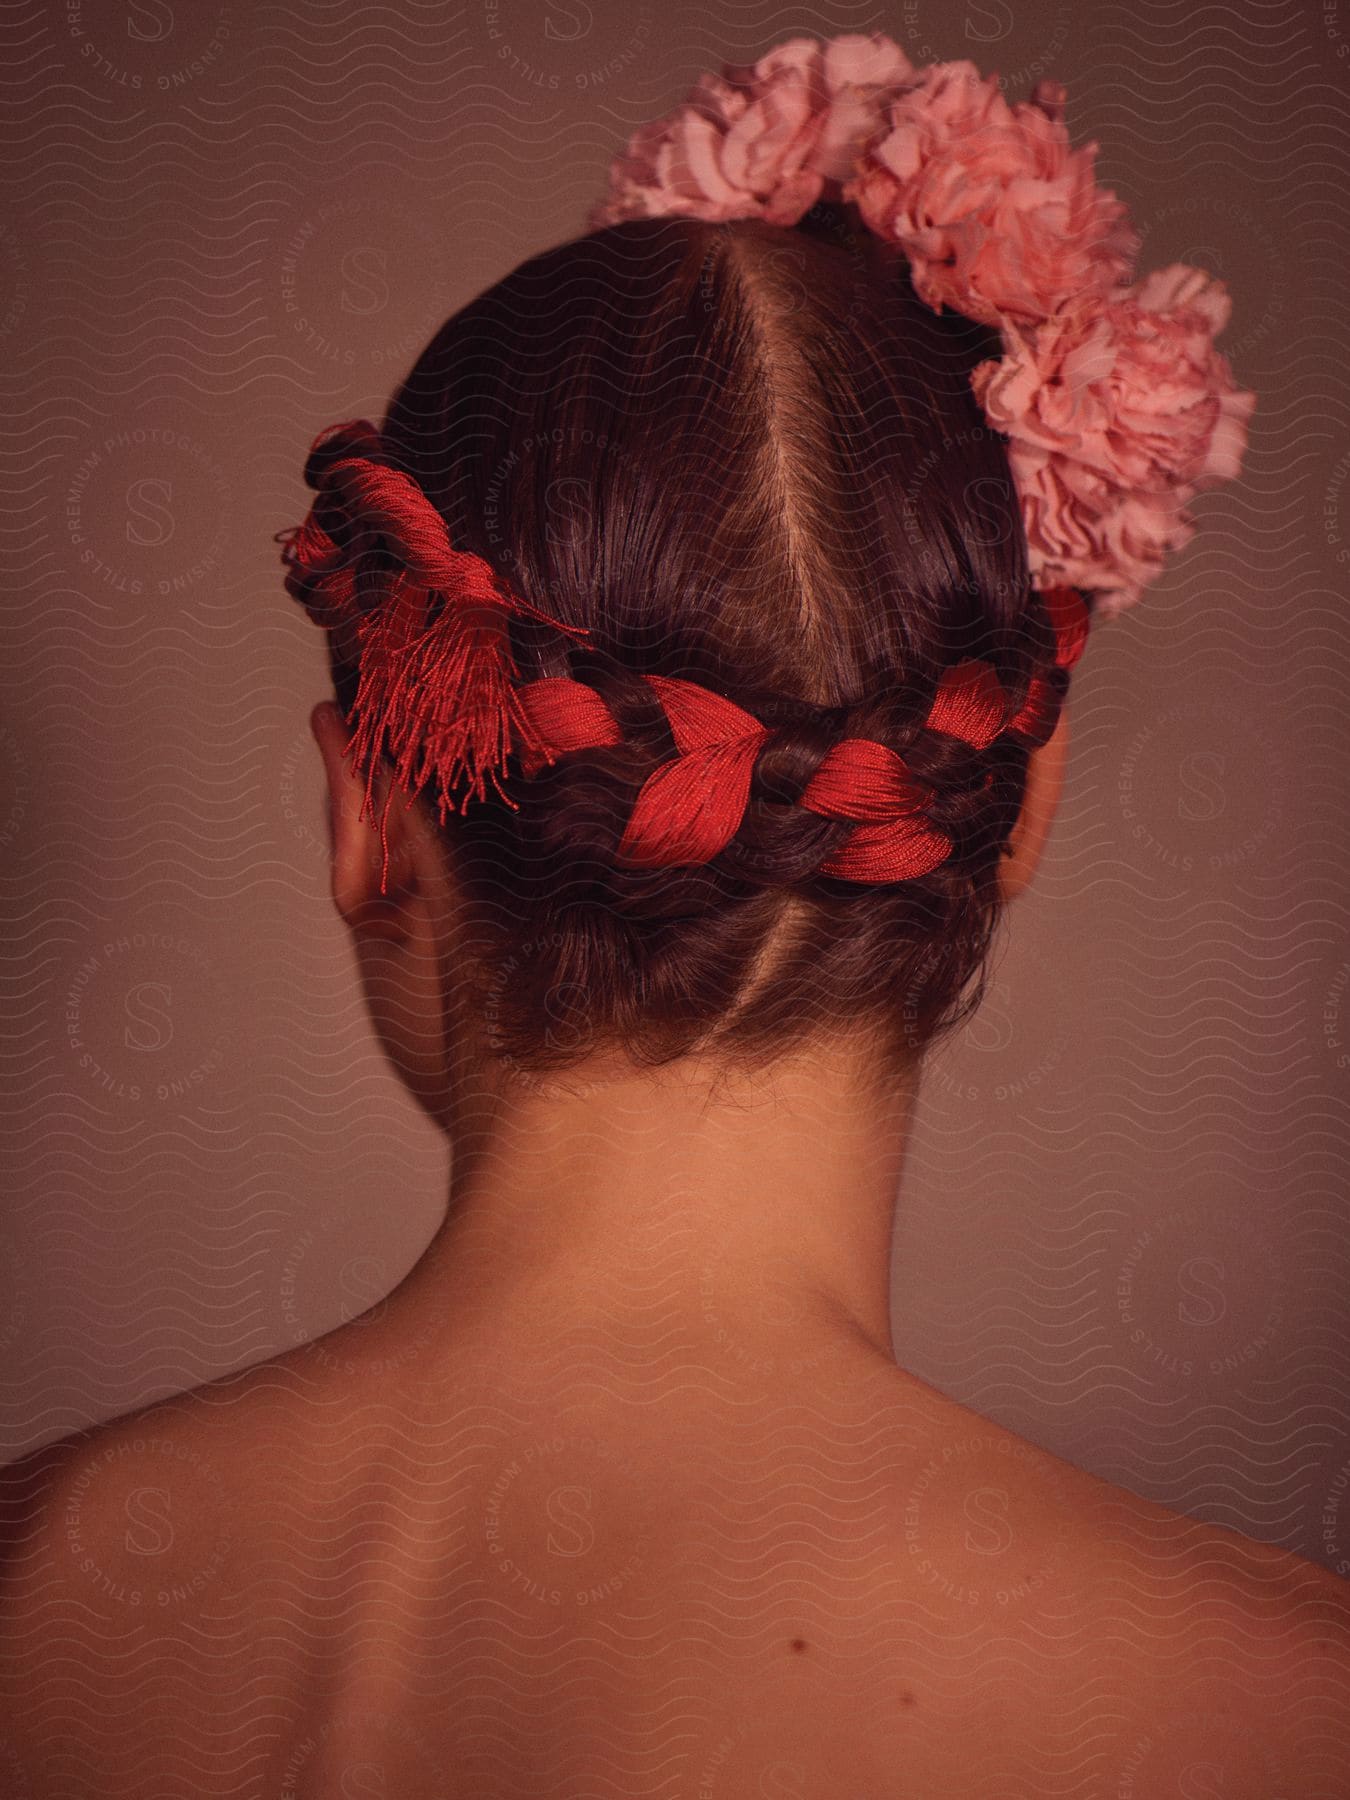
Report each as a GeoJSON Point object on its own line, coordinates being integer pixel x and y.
{"type": "Point", "coordinates": [648, 1530]}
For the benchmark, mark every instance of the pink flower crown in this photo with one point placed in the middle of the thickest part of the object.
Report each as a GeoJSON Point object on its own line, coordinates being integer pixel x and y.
{"type": "Point", "coordinates": [1115, 404]}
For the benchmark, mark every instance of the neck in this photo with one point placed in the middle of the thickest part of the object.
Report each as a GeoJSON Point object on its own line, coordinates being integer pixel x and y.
{"type": "Point", "coordinates": [757, 1208]}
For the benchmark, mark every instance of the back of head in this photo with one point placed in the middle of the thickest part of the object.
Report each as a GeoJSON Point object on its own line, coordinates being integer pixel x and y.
{"type": "Point", "coordinates": [746, 456]}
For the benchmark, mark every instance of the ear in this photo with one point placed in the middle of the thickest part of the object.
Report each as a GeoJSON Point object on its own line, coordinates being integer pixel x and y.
{"type": "Point", "coordinates": [358, 851]}
{"type": "Point", "coordinates": [1045, 781]}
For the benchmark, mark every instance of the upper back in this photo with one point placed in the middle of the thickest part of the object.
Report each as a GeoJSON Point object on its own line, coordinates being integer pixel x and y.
{"type": "Point", "coordinates": [284, 1584]}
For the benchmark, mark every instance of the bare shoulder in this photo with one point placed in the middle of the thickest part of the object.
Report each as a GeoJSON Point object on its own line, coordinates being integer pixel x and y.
{"type": "Point", "coordinates": [1075, 1613]}
{"type": "Point", "coordinates": [124, 1550]}
{"type": "Point", "coordinates": [117, 1504]}
{"type": "Point", "coordinates": [97, 1522]}
{"type": "Point", "coordinates": [1266, 1594]}
{"type": "Point", "coordinates": [1236, 1653]}
{"type": "Point", "coordinates": [1242, 1651]}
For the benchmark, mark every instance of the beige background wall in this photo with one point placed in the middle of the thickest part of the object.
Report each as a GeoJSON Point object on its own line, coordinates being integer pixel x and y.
{"type": "Point", "coordinates": [1124, 1227]}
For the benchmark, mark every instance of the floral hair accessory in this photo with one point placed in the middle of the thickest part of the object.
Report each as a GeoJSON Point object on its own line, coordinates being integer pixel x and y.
{"type": "Point", "coordinates": [1116, 406]}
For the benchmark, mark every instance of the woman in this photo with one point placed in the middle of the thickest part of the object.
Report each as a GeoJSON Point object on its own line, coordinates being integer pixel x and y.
{"type": "Point", "coordinates": [621, 1491]}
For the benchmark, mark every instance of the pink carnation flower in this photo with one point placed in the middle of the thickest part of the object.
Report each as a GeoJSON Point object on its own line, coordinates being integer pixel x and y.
{"type": "Point", "coordinates": [997, 215]}
{"type": "Point", "coordinates": [1118, 412]}
{"type": "Point", "coordinates": [1116, 406]}
{"type": "Point", "coordinates": [767, 139]}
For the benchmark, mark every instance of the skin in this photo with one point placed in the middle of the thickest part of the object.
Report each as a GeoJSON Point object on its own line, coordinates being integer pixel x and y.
{"type": "Point", "coordinates": [621, 1491]}
{"type": "Point", "coordinates": [823, 1227]}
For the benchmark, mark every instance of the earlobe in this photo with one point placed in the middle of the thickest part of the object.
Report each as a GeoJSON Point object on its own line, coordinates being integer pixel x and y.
{"type": "Point", "coordinates": [358, 857]}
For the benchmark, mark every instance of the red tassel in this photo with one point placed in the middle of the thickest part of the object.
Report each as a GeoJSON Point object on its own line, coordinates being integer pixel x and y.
{"type": "Point", "coordinates": [437, 694]}
{"type": "Point", "coordinates": [440, 698]}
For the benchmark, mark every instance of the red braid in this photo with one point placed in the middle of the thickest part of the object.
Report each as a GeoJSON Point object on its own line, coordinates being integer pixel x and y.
{"type": "Point", "coordinates": [443, 695]}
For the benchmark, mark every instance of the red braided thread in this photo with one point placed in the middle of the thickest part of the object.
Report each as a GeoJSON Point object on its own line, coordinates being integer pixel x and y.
{"type": "Point", "coordinates": [442, 694]}
{"type": "Point", "coordinates": [692, 806]}
{"type": "Point", "coordinates": [446, 699]}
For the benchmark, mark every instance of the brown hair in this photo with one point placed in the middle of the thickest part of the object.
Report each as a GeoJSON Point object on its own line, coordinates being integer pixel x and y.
{"type": "Point", "coordinates": [748, 456]}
